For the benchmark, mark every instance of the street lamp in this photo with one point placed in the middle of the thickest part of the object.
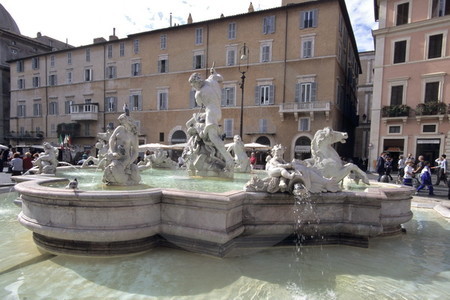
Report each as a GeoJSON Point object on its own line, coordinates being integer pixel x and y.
{"type": "Point", "coordinates": [243, 67]}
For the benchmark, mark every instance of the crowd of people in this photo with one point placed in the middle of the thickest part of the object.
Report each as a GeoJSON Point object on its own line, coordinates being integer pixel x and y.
{"type": "Point", "coordinates": [15, 162]}
{"type": "Point", "coordinates": [412, 172]}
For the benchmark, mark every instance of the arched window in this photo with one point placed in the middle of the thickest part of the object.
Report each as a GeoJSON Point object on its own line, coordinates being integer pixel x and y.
{"type": "Point", "coordinates": [303, 148]}
{"type": "Point", "coordinates": [264, 140]}
{"type": "Point", "coordinates": [178, 137]}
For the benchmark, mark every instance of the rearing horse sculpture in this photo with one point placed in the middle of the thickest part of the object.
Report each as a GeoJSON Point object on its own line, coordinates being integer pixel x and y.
{"type": "Point", "coordinates": [327, 161]}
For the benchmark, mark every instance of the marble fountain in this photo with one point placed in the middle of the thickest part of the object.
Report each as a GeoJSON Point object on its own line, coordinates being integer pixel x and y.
{"type": "Point", "coordinates": [290, 202]}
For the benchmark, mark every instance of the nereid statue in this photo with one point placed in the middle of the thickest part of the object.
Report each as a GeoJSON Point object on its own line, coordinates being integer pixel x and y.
{"type": "Point", "coordinates": [47, 162]}
{"type": "Point", "coordinates": [123, 151]}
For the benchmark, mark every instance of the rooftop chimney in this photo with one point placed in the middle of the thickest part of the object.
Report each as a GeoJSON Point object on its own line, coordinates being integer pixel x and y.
{"type": "Point", "coordinates": [113, 37]}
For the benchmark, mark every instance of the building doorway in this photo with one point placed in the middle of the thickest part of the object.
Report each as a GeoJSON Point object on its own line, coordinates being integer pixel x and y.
{"type": "Point", "coordinates": [302, 149]}
{"type": "Point", "coordinates": [429, 148]}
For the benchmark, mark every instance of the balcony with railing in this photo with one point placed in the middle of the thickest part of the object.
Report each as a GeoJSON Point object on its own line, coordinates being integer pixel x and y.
{"type": "Point", "coordinates": [84, 112]}
{"type": "Point", "coordinates": [25, 135]}
{"type": "Point", "coordinates": [395, 113]}
{"type": "Point", "coordinates": [305, 107]}
{"type": "Point", "coordinates": [431, 110]}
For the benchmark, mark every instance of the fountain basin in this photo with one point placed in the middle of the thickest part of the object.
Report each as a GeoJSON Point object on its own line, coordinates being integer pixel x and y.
{"type": "Point", "coordinates": [79, 222]}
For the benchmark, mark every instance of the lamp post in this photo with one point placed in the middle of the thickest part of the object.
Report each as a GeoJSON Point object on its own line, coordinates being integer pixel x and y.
{"type": "Point", "coordinates": [243, 67]}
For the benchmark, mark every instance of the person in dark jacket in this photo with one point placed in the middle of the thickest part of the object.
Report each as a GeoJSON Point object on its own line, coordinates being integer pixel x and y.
{"type": "Point", "coordinates": [380, 168]}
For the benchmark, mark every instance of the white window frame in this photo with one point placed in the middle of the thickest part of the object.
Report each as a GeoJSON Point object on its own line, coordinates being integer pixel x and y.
{"type": "Point", "coordinates": [37, 109]}
{"type": "Point", "coordinates": [397, 82]}
{"type": "Point", "coordinates": [111, 72]}
{"type": "Point", "coordinates": [135, 103]}
{"type": "Point", "coordinates": [122, 49]}
{"type": "Point", "coordinates": [269, 23]}
{"type": "Point", "coordinates": [302, 122]}
{"type": "Point", "coordinates": [427, 78]}
{"type": "Point", "coordinates": [232, 27]}
{"type": "Point", "coordinates": [111, 104]}
{"type": "Point", "coordinates": [52, 79]}
{"type": "Point", "coordinates": [396, 5]}
{"type": "Point", "coordinates": [110, 51]}
{"type": "Point", "coordinates": [52, 61]}
{"type": "Point", "coordinates": [136, 46]}
{"type": "Point", "coordinates": [135, 68]}
{"type": "Point", "coordinates": [263, 125]}
{"type": "Point", "coordinates": [228, 95]}
{"type": "Point", "coordinates": [88, 75]}
{"type": "Point", "coordinates": [163, 41]}
{"type": "Point", "coordinates": [394, 133]}
{"type": "Point", "coordinates": [36, 81]}
{"type": "Point", "coordinates": [35, 63]}
{"type": "Point", "coordinates": [21, 109]}
{"type": "Point", "coordinates": [265, 51]}
{"type": "Point", "coordinates": [163, 60]}
{"type": "Point", "coordinates": [408, 45]}
{"type": "Point", "coordinates": [69, 58]}
{"type": "Point", "coordinates": [436, 128]}
{"type": "Point", "coordinates": [310, 16]}
{"type": "Point", "coordinates": [307, 39]}
{"type": "Point", "coordinates": [201, 55]}
{"type": "Point", "coordinates": [199, 36]}
{"type": "Point", "coordinates": [88, 54]}
{"type": "Point", "coordinates": [231, 55]}
{"type": "Point", "coordinates": [53, 108]}
{"type": "Point", "coordinates": [163, 99]}
{"type": "Point", "coordinates": [443, 47]}
{"type": "Point", "coordinates": [69, 77]}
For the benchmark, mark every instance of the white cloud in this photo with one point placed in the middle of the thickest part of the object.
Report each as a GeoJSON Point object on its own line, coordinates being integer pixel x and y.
{"type": "Point", "coordinates": [85, 20]}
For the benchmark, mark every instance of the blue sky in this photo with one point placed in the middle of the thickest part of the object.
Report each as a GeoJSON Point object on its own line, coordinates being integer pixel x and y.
{"type": "Point", "coordinates": [85, 20]}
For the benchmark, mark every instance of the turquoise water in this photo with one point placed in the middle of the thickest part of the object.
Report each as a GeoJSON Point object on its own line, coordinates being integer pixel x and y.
{"type": "Point", "coordinates": [415, 265]}
{"type": "Point", "coordinates": [162, 178]}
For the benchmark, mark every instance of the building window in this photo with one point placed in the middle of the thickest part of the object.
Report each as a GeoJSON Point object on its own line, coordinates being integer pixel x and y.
{"type": "Point", "coordinates": [231, 56]}
{"type": "Point", "coordinates": [431, 92]}
{"type": "Point", "coordinates": [69, 77]}
{"type": "Point", "coordinates": [136, 69]}
{"type": "Point", "coordinates": [111, 104]}
{"type": "Point", "coordinates": [265, 51]}
{"type": "Point", "coordinates": [305, 92]}
{"type": "Point", "coordinates": [231, 31]}
{"type": "Point", "coordinates": [87, 129]}
{"type": "Point", "coordinates": [135, 102]}
{"type": "Point", "coordinates": [402, 15]}
{"type": "Point", "coordinates": [110, 51]}
{"type": "Point", "coordinates": [264, 95]}
{"type": "Point", "coordinates": [52, 61]}
{"type": "Point", "coordinates": [163, 99]}
{"type": "Point", "coordinates": [136, 46]}
{"type": "Point", "coordinates": [198, 36]}
{"type": "Point", "coordinates": [68, 106]}
{"type": "Point", "coordinates": [262, 124]}
{"type": "Point", "coordinates": [397, 95]}
{"type": "Point", "coordinates": [163, 41]}
{"type": "Point", "coordinates": [111, 72]}
{"type": "Point", "coordinates": [53, 108]}
{"type": "Point", "coordinates": [36, 81]}
{"type": "Point", "coordinates": [400, 52]}
{"type": "Point", "coordinates": [52, 80]}
{"type": "Point", "coordinates": [20, 66]}
{"type": "Point", "coordinates": [394, 129]}
{"type": "Point", "coordinates": [429, 128]}
{"type": "Point", "coordinates": [199, 61]}
{"type": "Point", "coordinates": [440, 8]}
{"type": "Point", "coordinates": [21, 110]}
{"type": "Point", "coordinates": [69, 58]}
{"type": "Point", "coordinates": [37, 110]}
{"type": "Point", "coordinates": [163, 64]}
{"type": "Point", "coordinates": [35, 63]}
{"type": "Point", "coordinates": [269, 24]}
{"type": "Point", "coordinates": [307, 49]}
{"type": "Point", "coordinates": [435, 43]}
{"type": "Point", "coordinates": [228, 127]}
{"type": "Point", "coordinates": [308, 19]}
{"type": "Point", "coordinates": [228, 96]}
{"type": "Point", "coordinates": [88, 55]}
{"type": "Point", "coordinates": [122, 49]}
{"type": "Point", "coordinates": [88, 75]}
{"type": "Point", "coordinates": [303, 124]}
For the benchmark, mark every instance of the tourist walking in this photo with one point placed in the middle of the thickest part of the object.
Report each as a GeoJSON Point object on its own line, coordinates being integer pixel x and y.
{"type": "Point", "coordinates": [425, 179]}
{"type": "Point", "coordinates": [380, 168]}
{"type": "Point", "coordinates": [441, 169]}
{"type": "Point", "coordinates": [401, 164]}
{"type": "Point", "coordinates": [388, 167]}
{"type": "Point", "coordinates": [408, 173]}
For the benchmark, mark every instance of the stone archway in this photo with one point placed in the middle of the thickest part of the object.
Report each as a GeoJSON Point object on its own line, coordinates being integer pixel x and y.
{"type": "Point", "coordinates": [302, 148]}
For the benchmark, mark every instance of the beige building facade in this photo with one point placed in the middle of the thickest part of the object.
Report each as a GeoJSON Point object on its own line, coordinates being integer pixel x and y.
{"type": "Point", "coordinates": [411, 79]}
{"type": "Point", "coordinates": [301, 68]}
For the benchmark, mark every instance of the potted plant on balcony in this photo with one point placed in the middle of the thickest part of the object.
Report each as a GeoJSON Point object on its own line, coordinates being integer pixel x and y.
{"type": "Point", "coordinates": [431, 108]}
{"type": "Point", "coordinates": [395, 111]}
